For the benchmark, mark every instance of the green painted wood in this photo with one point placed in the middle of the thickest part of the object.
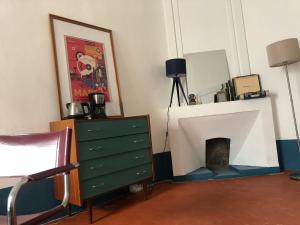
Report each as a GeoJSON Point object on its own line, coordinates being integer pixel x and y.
{"type": "Point", "coordinates": [110, 146]}
{"type": "Point", "coordinates": [100, 166]}
{"type": "Point", "coordinates": [112, 154]}
{"type": "Point", "coordinates": [102, 184]}
{"type": "Point", "coordinates": [110, 128]}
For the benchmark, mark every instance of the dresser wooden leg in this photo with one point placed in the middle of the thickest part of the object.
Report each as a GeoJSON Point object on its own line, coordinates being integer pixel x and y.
{"type": "Point", "coordinates": [146, 189]}
{"type": "Point", "coordinates": [90, 210]}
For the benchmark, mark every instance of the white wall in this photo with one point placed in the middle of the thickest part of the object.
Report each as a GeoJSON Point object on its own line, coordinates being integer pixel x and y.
{"type": "Point", "coordinates": [247, 27]}
{"type": "Point", "coordinates": [28, 92]}
{"type": "Point", "coordinates": [207, 25]}
{"type": "Point", "coordinates": [267, 21]}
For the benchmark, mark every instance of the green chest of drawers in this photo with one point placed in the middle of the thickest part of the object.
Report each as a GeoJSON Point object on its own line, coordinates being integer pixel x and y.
{"type": "Point", "coordinates": [112, 153]}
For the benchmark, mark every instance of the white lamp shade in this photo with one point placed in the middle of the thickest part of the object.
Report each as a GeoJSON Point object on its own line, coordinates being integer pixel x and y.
{"type": "Point", "coordinates": [283, 52]}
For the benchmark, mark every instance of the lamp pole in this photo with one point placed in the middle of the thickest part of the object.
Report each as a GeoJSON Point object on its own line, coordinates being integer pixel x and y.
{"type": "Point", "coordinates": [294, 176]}
{"type": "Point", "coordinates": [292, 104]}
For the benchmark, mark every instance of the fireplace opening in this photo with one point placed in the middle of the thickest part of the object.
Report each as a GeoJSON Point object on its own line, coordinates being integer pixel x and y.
{"type": "Point", "coordinates": [217, 153]}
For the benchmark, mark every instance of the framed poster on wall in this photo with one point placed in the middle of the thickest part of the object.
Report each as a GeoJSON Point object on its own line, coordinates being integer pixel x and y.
{"type": "Point", "coordinates": [85, 63]}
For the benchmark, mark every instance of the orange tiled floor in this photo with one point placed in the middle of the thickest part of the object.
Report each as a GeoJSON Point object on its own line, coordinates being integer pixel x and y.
{"type": "Point", "coordinates": [264, 200]}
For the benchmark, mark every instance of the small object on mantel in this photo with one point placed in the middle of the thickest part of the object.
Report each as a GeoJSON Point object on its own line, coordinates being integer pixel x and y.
{"type": "Point", "coordinates": [223, 94]}
{"type": "Point", "coordinates": [192, 99]}
{"type": "Point", "coordinates": [246, 84]}
{"type": "Point", "coordinates": [252, 95]}
{"type": "Point", "coordinates": [231, 91]}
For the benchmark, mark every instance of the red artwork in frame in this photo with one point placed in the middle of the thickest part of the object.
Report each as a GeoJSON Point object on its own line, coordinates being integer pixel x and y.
{"type": "Point", "coordinates": [87, 69]}
{"type": "Point", "coordinates": [85, 63]}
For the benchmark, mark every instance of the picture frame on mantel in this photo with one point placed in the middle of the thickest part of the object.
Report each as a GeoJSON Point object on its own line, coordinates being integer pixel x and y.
{"type": "Point", "coordinates": [85, 63]}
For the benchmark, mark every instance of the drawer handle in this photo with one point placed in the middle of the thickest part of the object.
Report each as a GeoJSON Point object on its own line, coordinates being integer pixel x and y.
{"type": "Point", "coordinates": [96, 148]}
{"type": "Point", "coordinates": [97, 186]}
{"type": "Point", "coordinates": [138, 140]}
{"type": "Point", "coordinates": [134, 126]}
{"type": "Point", "coordinates": [96, 167]}
{"type": "Point", "coordinates": [141, 173]}
{"type": "Point", "coordinates": [97, 130]}
{"type": "Point", "coordinates": [139, 156]}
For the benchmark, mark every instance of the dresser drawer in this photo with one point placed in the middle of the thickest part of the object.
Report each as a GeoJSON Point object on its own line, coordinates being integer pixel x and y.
{"type": "Point", "coordinates": [111, 146]}
{"type": "Point", "coordinates": [111, 128]}
{"type": "Point", "coordinates": [100, 166]}
{"type": "Point", "coordinates": [99, 185]}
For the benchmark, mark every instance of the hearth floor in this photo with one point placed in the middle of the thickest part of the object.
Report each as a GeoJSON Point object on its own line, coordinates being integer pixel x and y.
{"type": "Point", "coordinates": [233, 171]}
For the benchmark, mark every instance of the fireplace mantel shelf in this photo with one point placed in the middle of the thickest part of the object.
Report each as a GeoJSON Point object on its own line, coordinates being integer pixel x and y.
{"type": "Point", "coordinates": [248, 124]}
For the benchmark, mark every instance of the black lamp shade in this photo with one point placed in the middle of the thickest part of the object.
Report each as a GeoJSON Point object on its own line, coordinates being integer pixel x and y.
{"type": "Point", "coordinates": [175, 67]}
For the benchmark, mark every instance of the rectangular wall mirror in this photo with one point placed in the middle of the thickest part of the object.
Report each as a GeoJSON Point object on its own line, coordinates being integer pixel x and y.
{"type": "Point", "coordinates": [206, 72]}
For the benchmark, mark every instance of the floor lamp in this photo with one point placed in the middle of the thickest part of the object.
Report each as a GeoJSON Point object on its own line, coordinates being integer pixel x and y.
{"type": "Point", "coordinates": [176, 68]}
{"type": "Point", "coordinates": [283, 53]}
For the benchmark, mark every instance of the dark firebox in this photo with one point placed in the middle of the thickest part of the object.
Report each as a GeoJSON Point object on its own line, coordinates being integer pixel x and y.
{"type": "Point", "coordinates": [217, 153]}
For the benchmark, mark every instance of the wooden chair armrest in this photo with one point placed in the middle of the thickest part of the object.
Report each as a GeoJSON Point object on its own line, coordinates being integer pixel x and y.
{"type": "Point", "coordinates": [52, 172]}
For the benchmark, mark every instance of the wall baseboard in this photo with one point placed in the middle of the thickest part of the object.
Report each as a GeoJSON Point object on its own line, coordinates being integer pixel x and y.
{"type": "Point", "coordinates": [163, 166]}
{"type": "Point", "coordinates": [32, 197]}
{"type": "Point", "coordinates": [288, 154]}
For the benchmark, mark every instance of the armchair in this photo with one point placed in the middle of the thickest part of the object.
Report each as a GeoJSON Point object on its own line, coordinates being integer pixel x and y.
{"type": "Point", "coordinates": [34, 157]}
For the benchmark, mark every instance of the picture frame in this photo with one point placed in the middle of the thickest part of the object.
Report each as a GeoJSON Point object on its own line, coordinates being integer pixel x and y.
{"type": "Point", "coordinates": [85, 63]}
{"type": "Point", "coordinates": [246, 84]}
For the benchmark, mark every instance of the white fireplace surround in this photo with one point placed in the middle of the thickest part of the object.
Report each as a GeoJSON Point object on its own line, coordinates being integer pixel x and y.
{"type": "Point", "coordinates": [248, 124]}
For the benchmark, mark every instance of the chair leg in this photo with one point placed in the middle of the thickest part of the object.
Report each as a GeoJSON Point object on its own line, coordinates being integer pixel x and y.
{"type": "Point", "coordinates": [69, 210]}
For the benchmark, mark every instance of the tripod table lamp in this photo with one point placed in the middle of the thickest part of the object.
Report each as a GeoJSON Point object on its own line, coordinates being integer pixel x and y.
{"type": "Point", "coordinates": [176, 68]}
